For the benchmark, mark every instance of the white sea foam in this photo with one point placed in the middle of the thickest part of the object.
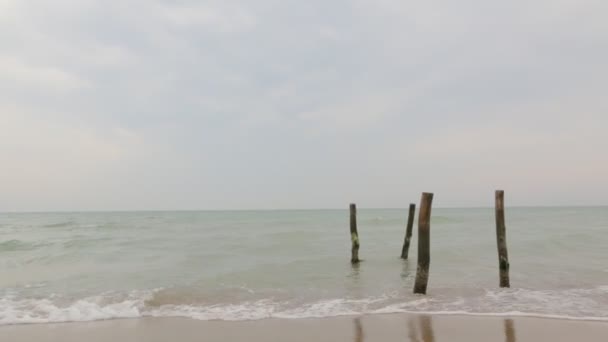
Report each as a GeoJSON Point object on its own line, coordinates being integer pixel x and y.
{"type": "Point", "coordinates": [45, 311]}
{"type": "Point", "coordinates": [517, 302]}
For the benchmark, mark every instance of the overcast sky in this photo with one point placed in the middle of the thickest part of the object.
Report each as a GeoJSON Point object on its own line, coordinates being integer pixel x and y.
{"type": "Point", "coordinates": [265, 104]}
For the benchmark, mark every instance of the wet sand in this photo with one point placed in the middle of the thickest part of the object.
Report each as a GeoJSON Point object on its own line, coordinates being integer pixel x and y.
{"type": "Point", "coordinates": [373, 328]}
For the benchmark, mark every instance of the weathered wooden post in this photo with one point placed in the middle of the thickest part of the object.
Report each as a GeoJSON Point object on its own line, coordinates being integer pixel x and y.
{"type": "Point", "coordinates": [354, 236]}
{"type": "Point", "coordinates": [501, 239]}
{"type": "Point", "coordinates": [424, 243]}
{"type": "Point", "coordinates": [408, 232]}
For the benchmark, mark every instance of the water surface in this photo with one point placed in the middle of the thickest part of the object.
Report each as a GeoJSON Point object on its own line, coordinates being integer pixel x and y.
{"type": "Point", "coordinates": [236, 265]}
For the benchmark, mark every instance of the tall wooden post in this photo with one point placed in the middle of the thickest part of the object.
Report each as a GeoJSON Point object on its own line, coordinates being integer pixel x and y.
{"type": "Point", "coordinates": [424, 243]}
{"type": "Point", "coordinates": [501, 239]}
{"type": "Point", "coordinates": [354, 236]}
{"type": "Point", "coordinates": [408, 232]}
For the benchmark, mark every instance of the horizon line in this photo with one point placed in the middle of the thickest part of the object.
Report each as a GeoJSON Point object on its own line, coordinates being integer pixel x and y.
{"type": "Point", "coordinates": [283, 209]}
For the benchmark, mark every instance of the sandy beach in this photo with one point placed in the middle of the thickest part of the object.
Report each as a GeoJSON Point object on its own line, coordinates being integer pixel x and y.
{"type": "Point", "coordinates": [377, 328]}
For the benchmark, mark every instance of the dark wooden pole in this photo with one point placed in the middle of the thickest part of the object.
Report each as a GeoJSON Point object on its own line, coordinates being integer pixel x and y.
{"type": "Point", "coordinates": [424, 243]}
{"type": "Point", "coordinates": [408, 232]}
{"type": "Point", "coordinates": [354, 236]}
{"type": "Point", "coordinates": [501, 239]}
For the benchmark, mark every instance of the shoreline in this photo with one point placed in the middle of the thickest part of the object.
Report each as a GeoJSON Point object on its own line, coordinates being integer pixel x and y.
{"type": "Point", "coordinates": [362, 328]}
{"type": "Point", "coordinates": [505, 315]}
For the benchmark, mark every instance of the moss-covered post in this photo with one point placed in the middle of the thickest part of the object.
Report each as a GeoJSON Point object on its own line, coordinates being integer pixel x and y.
{"type": "Point", "coordinates": [424, 243]}
{"type": "Point", "coordinates": [501, 239]}
{"type": "Point", "coordinates": [354, 236]}
{"type": "Point", "coordinates": [408, 232]}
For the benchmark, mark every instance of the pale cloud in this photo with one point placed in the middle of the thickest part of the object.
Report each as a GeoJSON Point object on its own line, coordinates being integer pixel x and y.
{"type": "Point", "coordinates": [218, 17]}
{"type": "Point", "coordinates": [14, 71]}
{"type": "Point", "coordinates": [238, 104]}
{"type": "Point", "coordinates": [58, 143]}
{"type": "Point", "coordinates": [356, 112]}
{"type": "Point", "coordinates": [44, 159]}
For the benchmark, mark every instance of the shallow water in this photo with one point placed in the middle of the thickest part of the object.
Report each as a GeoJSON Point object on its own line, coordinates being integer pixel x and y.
{"type": "Point", "coordinates": [237, 265]}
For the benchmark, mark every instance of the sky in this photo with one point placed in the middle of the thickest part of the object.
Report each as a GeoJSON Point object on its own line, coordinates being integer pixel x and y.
{"type": "Point", "coordinates": [277, 104]}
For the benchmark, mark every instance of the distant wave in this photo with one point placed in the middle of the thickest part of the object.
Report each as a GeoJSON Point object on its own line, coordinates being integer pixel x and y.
{"type": "Point", "coordinates": [60, 224]}
{"type": "Point", "coordinates": [18, 245]}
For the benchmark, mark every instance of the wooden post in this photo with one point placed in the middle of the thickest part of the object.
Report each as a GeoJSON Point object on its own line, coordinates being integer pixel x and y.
{"type": "Point", "coordinates": [424, 243]}
{"type": "Point", "coordinates": [501, 239]}
{"type": "Point", "coordinates": [354, 236]}
{"type": "Point", "coordinates": [408, 232]}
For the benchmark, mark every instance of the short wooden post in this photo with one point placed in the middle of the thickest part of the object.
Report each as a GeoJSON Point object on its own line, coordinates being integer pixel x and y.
{"type": "Point", "coordinates": [501, 239]}
{"type": "Point", "coordinates": [424, 243]}
{"type": "Point", "coordinates": [354, 236]}
{"type": "Point", "coordinates": [408, 232]}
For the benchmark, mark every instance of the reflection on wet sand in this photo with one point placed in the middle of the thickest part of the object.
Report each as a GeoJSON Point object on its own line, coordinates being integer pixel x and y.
{"type": "Point", "coordinates": [423, 330]}
{"type": "Point", "coordinates": [359, 336]}
{"type": "Point", "coordinates": [425, 323]}
{"type": "Point", "coordinates": [510, 331]}
{"type": "Point", "coordinates": [411, 330]}
{"type": "Point", "coordinates": [426, 326]}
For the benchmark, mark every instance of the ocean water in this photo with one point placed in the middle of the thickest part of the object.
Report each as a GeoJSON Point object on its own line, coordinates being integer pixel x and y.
{"type": "Point", "coordinates": [244, 265]}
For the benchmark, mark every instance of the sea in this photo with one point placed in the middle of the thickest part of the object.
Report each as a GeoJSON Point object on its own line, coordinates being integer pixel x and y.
{"type": "Point", "coordinates": [250, 265]}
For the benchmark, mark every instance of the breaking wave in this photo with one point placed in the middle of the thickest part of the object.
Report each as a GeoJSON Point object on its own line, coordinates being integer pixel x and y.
{"type": "Point", "coordinates": [573, 304]}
